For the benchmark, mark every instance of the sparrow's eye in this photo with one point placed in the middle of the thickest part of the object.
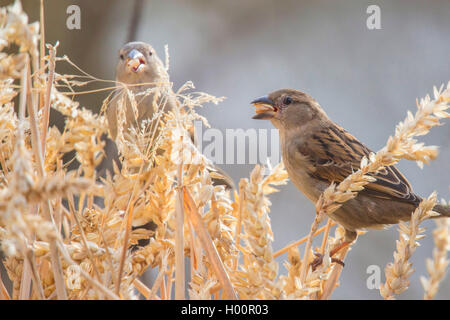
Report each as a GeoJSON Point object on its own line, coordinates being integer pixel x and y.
{"type": "Point", "coordinates": [287, 100]}
{"type": "Point", "coordinates": [121, 56]}
{"type": "Point", "coordinates": [150, 53]}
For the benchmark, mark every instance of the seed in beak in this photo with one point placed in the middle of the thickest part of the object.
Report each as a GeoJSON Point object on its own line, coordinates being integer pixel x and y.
{"type": "Point", "coordinates": [136, 64]}
{"type": "Point", "coordinates": [263, 108]}
{"type": "Point", "coordinates": [135, 60]}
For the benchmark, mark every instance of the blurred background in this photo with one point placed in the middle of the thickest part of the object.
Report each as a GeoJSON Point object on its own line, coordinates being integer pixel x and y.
{"type": "Point", "coordinates": [366, 80]}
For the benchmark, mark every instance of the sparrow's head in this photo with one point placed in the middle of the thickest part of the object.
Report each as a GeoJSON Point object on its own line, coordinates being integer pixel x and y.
{"type": "Point", "coordinates": [287, 108]}
{"type": "Point", "coordinates": [138, 63]}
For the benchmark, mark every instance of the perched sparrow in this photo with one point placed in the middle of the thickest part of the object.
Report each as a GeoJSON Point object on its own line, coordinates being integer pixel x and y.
{"type": "Point", "coordinates": [316, 152]}
{"type": "Point", "coordinates": [139, 69]}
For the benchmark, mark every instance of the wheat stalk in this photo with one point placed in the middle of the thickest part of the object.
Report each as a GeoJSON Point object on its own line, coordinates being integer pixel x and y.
{"type": "Point", "coordinates": [437, 267]}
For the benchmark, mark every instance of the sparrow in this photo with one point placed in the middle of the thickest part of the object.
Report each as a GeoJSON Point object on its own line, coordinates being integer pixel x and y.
{"type": "Point", "coordinates": [317, 152]}
{"type": "Point", "coordinates": [139, 69]}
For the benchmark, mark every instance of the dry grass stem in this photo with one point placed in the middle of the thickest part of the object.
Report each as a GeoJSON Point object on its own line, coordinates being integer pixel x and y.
{"type": "Point", "coordinates": [302, 240]}
{"type": "Point", "coordinates": [180, 276]}
{"type": "Point", "coordinates": [142, 288]}
{"type": "Point", "coordinates": [51, 72]}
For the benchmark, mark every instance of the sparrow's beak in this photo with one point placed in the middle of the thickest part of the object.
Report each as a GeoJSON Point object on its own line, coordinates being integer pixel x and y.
{"type": "Point", "coordinates": [135, 60]}
{"type": "Point", "coordinates": [265, 108]}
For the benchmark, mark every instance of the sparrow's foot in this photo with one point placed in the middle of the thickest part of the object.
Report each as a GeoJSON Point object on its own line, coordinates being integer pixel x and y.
{"type": "Point", "coordinates": [319, 260]}
{"type": "Point", "coordinates": [319, 257]}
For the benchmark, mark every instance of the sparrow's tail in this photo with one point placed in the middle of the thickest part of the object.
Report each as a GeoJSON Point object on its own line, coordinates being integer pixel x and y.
{"type": "Point", "coordinates": [444, 210]}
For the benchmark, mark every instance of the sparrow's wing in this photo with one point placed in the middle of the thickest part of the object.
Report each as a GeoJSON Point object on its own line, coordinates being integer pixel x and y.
{"type": "Point", "coordinates": [335, 154]}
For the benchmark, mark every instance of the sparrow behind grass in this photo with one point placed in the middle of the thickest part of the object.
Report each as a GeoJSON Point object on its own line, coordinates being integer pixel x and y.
{"type": "Point", "coordinates": [316, 152]}
{"type": "Point", "coordinates": [139, 69]}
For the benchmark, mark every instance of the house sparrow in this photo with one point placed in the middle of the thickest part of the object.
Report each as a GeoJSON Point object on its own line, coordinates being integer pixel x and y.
{"type": "Point", "coordinates": [316, 152]}
{"type": "Point", "coordinates": [139, 69]}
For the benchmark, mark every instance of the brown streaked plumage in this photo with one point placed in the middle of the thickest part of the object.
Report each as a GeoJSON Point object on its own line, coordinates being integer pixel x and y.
{"type": "Point", "coordinates": [316, 152]}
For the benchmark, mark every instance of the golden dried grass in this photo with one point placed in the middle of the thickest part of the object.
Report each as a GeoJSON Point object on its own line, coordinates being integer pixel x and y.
{"type": "Point", "coordinates": [60, 242]}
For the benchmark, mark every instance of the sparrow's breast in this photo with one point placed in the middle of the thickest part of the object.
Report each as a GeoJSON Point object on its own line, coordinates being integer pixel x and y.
{"type": "Point", "coordinates": [298, 168]}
